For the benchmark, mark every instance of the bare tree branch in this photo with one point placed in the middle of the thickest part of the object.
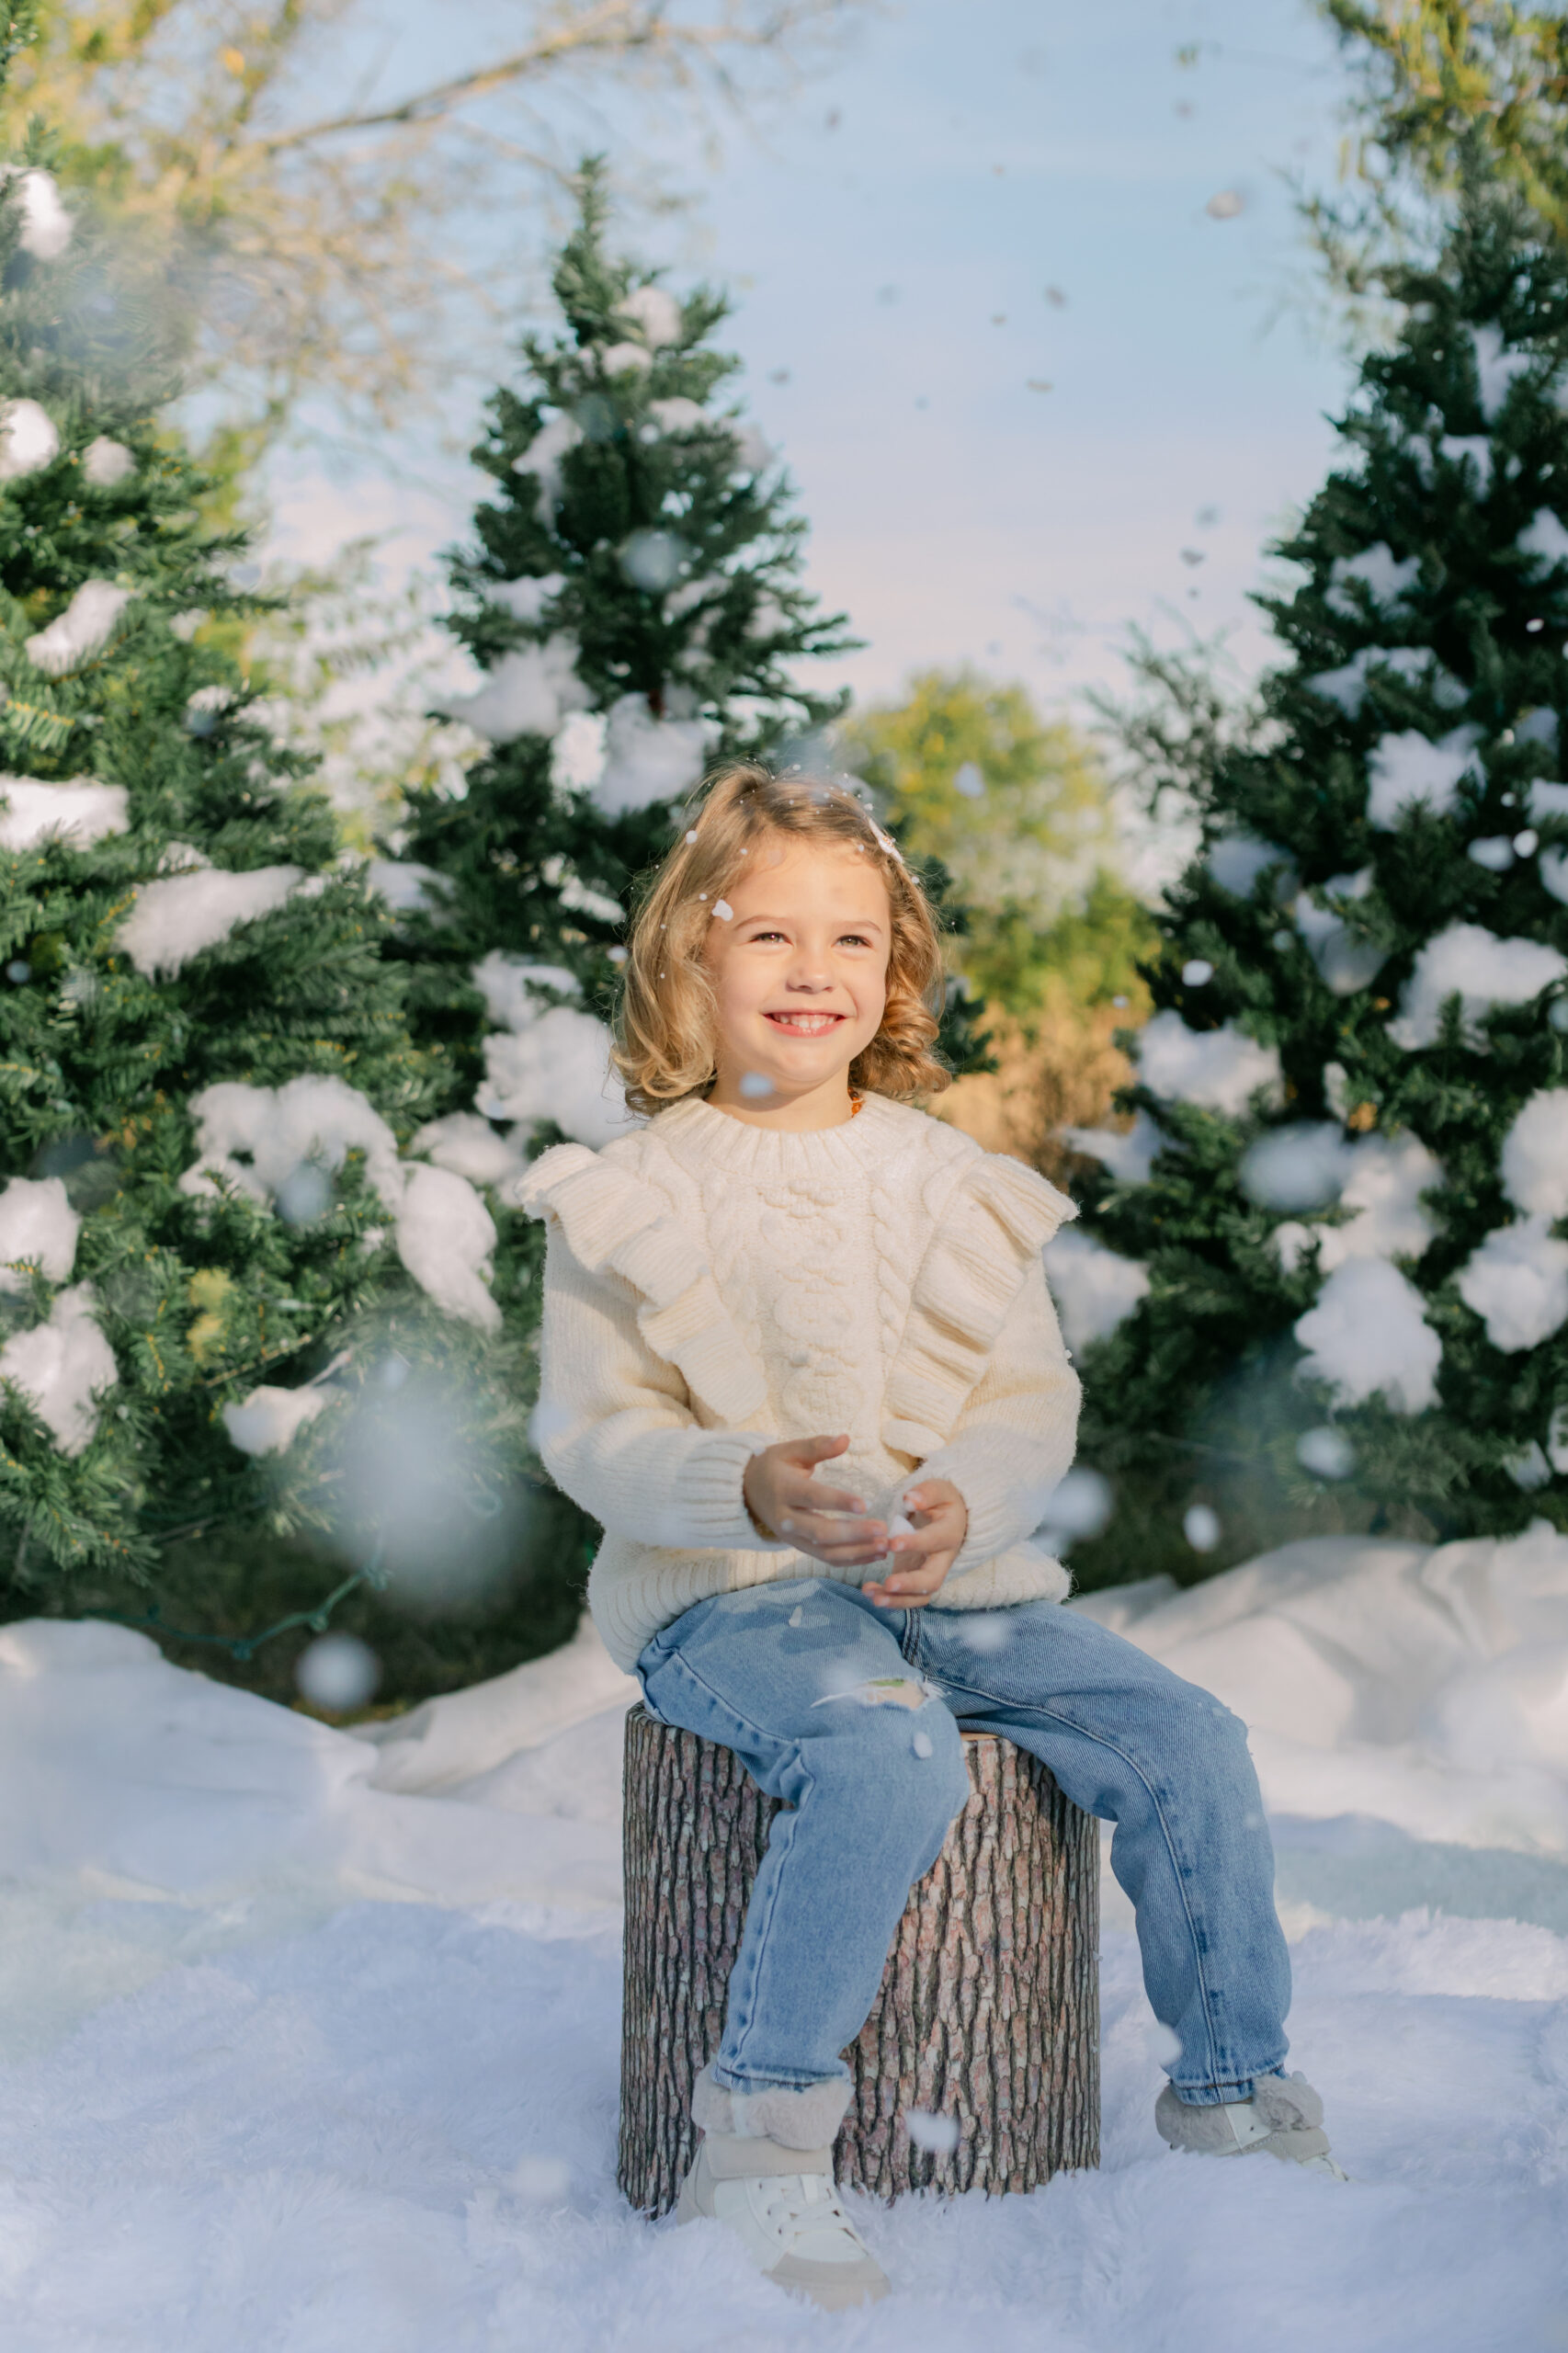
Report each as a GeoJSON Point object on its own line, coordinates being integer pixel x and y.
{"type": "Point", "coordinates": [319, 257]}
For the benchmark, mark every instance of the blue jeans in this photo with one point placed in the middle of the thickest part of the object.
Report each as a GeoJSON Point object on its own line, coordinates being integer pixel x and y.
{"type": "Point", "coordinates": [851, 1715]}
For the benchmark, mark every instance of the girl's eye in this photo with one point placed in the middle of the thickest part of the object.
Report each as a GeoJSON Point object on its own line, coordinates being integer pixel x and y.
{"type": "Point", "coordinates": [758, 936]}
{"type": "Point", "coordinates": [853, 940]}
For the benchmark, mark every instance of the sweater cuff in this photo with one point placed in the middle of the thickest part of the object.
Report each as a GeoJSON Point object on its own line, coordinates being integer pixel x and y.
{"type": "Point", "coordinates": [992, 1506]}
{"type": "Point", "coordinates": [708, 1496]}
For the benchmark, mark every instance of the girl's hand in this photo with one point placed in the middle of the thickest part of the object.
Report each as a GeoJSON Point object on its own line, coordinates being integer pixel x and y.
{"type": "Point", "coordinates": [783, 1499]}
{"type": "Point", "coordinates": [940, 1520]}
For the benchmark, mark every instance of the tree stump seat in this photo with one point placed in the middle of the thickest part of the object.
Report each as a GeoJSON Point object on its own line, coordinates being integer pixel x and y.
{"type": "Point", "coordinates": [988, 2016]}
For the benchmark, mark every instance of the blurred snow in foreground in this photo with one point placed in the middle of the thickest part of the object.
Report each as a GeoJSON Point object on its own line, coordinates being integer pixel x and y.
{"type": "Point", "coordinates": [309, 2038]}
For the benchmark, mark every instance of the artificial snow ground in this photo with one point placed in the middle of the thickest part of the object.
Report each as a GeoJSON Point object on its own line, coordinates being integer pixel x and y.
{"type": "Point", "coordinates": [309, 2042]}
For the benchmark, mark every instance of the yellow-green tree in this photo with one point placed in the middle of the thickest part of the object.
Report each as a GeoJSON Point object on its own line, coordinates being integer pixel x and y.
{"type": "Point", "coordinates": [1448, 88]}
{"type": "Point", "coordinates": [1018, 809]}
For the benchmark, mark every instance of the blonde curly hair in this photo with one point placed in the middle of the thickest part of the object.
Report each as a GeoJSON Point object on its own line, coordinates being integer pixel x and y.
{"type": "Point", "coordinates": [665, 1019]}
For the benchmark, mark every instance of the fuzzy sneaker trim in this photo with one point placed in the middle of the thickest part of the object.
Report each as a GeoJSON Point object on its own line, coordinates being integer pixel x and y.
{"type": "Point", "coordinates": [790, 2224]}
{"type": "Point", "coordinates": [1283, 2118]}
{"type": "Point", "coordinates": [804, 2119]}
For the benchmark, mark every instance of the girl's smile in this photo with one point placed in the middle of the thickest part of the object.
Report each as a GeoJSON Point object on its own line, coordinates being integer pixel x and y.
{"type": "Point", "coordinates": [809, 1024]}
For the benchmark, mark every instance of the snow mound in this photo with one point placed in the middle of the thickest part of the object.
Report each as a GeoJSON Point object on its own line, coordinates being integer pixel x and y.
{"type": "Point", "coordinates": [309, 2038]}
{"type": "Point", "coordinates": [1496, 368]}
{"type": "Point", "coordinates": [407, 887]}
{"type": "Point", "coordinates": [1410, 664]}
{"type": "Point", "coordinates": [542, 460]}
{"type": "Point", "coordinates": [1424, 1686]}
{"type": "Point", "coordinates": [445, 1237]}
{"type": "Point", "coordinates": [525, 599]}
{"type": "Point", "coordinates": [127, 1774]}
{"type": "Point", "coordinates": [46, 224]}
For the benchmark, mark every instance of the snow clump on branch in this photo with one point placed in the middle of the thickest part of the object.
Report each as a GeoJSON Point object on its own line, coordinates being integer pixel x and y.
{"type": "Point", "coordinates": [1516, 1281]}
{"type": "Point", "coordinates": [655, 312]}
{"type": "Point", "coordinates": [1130, 1157]}
{"type": "Point", "coordinates": [178, 916]}
{"type": "Point", "coordinates": [37, 1226]}
{"type": "Point", "coordinates": [1409, 772]}
{"type": "Point", "coordinates": [58, 1366]}
{"type": "Point", "coordinates": [1219, 1070]}
{"type": "Point", "coordinates": [546, 1061]}
{"type": "Point", "coordinates": [33, 812]}
{"type": "Point", "coordinates": [82, 630]}
{"type": "Point", "coordinates": [1535, 1155]}
{"type": "Point", "coordinates": [646, 759]}
{"type": "Point", "coordinates": [269, 1420]}
{"type": "Point", "coordinates": [106, 462]}
{"type": "Point", "coordinates": [528, 692]}
{"type": "Point", "coordinates": [1482, 971]}
{"type": "Point", "coordinates": [256, 1139]}
{"type": "Point", "coordinates": [28, 440]}
{"type": "Point", "coordinates": [1367, 1336]}
{"type": "Point", "coordinates": [1095, 1289]}
{"type": "Point", "coordinates": [46, 224]}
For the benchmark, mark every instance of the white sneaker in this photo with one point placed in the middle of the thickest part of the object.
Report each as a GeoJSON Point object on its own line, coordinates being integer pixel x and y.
{"type": "Point", "coordinates": [782, 2206]}
{"type": "Point", "coordinates": [1283, 2118]}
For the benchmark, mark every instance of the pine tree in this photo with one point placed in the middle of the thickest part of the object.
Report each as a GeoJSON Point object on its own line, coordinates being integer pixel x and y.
{"type": "Point", "coordinates": [211, 1242]}
{"type": "Point", "coordinates": [1323, 1280]}
{"type": "Point", "coordinates": [632, 596]}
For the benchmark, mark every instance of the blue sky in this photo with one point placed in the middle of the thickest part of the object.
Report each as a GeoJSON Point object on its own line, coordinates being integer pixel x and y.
{"type": "Point", "coordinates": [890, 233]}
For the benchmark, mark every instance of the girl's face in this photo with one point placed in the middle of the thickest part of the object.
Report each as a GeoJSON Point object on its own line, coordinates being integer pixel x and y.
{"type": "Point", "coordinates": [800, 975]}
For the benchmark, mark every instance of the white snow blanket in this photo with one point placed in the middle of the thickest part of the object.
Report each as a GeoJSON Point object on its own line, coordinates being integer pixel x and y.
{"type": "Point", "coordinates": [309, 2038]}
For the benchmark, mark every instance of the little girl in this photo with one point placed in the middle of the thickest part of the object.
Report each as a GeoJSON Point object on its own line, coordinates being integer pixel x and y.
{"type": "Point", "coordinates": [789, 1267]}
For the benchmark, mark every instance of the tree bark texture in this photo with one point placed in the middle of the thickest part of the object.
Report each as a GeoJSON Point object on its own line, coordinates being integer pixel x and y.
{"type": "Point", "coordinates": [988, 2016]}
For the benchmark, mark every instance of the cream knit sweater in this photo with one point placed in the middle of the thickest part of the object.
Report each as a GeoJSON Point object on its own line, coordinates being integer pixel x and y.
{"type": "Point", "coordinates": [711, 1286]}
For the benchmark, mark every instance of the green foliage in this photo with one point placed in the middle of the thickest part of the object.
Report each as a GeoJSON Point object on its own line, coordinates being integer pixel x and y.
{"type": "Point", "coordinates": [1420, 612]}
{"type": "Point", "coordinates": [669, 560]}
{"type": "Point", "coordinates": [156, 1300]}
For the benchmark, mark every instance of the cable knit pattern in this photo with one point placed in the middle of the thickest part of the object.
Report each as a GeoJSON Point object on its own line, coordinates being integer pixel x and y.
{"type": "Point", "coordinates": [711, 1286]}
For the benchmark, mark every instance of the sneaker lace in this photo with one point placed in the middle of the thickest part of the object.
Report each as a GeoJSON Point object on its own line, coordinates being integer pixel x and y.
{"type": "Point", "coordinates": [799, 2199]}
